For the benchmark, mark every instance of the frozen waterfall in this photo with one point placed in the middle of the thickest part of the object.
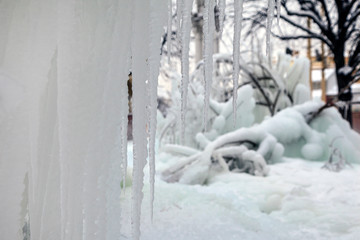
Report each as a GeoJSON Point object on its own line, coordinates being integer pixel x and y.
{"type": "Point", "coordinates": [64, 106]}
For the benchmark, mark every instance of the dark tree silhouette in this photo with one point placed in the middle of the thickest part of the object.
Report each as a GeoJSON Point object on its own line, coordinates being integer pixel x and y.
{"type": "Point", "coordinates": [334, 22]}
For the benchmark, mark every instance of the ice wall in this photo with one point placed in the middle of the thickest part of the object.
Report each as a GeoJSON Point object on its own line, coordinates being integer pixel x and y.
{"type": "Point", "coordinates": [63, 72]}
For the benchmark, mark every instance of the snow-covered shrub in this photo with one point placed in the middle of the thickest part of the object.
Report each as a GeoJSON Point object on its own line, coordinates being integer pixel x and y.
{"type": "Point", "coordinates": [278, 87]}
{"type": "Point", "coordinates": [272, 89]}
{"type": "Point", "coordinates": [285, 134]}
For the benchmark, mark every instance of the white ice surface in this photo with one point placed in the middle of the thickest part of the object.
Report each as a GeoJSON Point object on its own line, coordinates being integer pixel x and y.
{"type": "Point", "coordinates": [298, 200]}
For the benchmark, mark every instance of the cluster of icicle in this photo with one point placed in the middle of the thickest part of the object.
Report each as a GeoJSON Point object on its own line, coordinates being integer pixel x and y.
{"type": "Point", "coordinates": [63, 147]}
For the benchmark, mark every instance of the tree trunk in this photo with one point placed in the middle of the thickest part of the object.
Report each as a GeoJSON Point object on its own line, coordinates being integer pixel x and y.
{"type": "Point", "coordinates": [343, 79]}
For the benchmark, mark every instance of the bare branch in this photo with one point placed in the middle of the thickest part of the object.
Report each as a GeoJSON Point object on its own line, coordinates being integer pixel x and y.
{"type": "Point", "coordinates": [313, 14]}
{"type": "Point", "coordinates": [315, 35]}
{"type": "Point", "coordinates": [326, 12]}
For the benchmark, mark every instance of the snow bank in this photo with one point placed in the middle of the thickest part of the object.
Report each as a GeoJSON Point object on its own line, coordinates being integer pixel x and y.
{"type": "Point", "coordinates": [298, 200]}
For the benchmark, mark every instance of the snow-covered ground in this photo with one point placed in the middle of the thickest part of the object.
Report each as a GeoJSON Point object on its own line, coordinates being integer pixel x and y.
{"type": "Point", "coordinates": [298, 200]}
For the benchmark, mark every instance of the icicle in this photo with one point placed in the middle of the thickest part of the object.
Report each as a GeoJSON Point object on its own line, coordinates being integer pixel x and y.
{"type": "Point", "coordinates": [238, 9]}
{"type": "Point", "coordinates": [123, 144]}
{"type": "Point", "coordinates": [185, 44]}
{"type": "Point", "coordinates": [125, 111]}
{"type": "Point", "coordinates": [140, 101]}
{"type": "Point", "coordinates": [179, 17]}
{"type": "Point", "coordinates": [222, 6]}
{"type": "Point", "coordinates": [278, 10]}
{"type": "Point", "coordinates": [169, 30]}
{"type": "Point", "coordinates": [116, 91]}
{"type": "Point", "coordinates": [156, 29]}
{"type": "Point", "coordinates": [270, 16]}
{"type": "Point", "coordinates": [208, 30]}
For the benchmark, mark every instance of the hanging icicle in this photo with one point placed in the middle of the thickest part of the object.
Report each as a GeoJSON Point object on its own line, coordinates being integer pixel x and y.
{"type": "Point", "coordinates": [278, 11]}
{"type": "Point", "coordinates": [125, 112]}
{"type": "Point", "coordinates": [179, 18]}
{"type": "Point", "coordinates": [222, 6]}
{"type": "Point", "coordinates": [208, 30]}
{"type": "Point", "coordinates": [140, 73]}
{"type": "Point", "coordinates": [169, 31]}
{"type": "Point", "coordinates": [238, 9]}
{"type": "Point", "coordinates": [270, 17]}
{"type": "Point", "coordinates": [156, 28]}
{"type": "Point", "coordinates": [185, 45]}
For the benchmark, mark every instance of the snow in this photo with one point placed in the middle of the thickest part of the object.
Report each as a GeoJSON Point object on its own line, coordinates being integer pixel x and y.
{"type": "Point", "coordinates": [297, 200]}
{"type": "Point", "coordinates": [287, 133]}
{"type": "Point", "coordinates": [346, 70]}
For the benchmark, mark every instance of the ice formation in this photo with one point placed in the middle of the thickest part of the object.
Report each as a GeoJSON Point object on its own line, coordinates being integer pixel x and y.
{"type": "Point", "coordinates": [68, 112]}
{"type": "Point", "coordinates": [185, 45]}
{"type": "Point", "coordinates": [157, 18]}
{"type": "Point", "coordinates": [208, 30]}
{"type": "Point", "coordinates": [238, 9]}
{"type": "Point", "coordinates": [269, 20]}
{"type": "Point", "coordinates": [278, 11]}
{"type": "Point", "coordinates": [169, 30]}
{"type": "Point", "coordinates": [222, 6]}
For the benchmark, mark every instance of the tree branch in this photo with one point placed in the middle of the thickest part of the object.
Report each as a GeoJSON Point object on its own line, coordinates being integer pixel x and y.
{"type": "Point", "coordinates": [315, 16]}
{"type": "Point", "coordinates": [326, 12]}
{"type": "Point", "coordinates": [315, 35]}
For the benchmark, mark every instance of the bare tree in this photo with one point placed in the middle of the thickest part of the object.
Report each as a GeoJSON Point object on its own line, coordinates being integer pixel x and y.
{"type": "Point", "coordinates": [336, 23]}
